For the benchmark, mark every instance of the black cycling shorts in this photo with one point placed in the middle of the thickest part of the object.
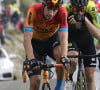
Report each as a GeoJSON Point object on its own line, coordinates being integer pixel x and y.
{"type": "Point", "coordinates": [43, 48]}
{"type": "Point", "coordinates": [83, 41]}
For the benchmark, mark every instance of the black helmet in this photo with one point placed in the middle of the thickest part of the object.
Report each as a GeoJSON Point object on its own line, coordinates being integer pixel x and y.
{"type": "Point", "coordinates": [79, 3]}
{"type": "Point", "coordinates": [52, 2]}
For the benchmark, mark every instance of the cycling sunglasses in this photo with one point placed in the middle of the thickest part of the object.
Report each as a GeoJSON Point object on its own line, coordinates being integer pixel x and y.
{"type": "Point", "coordinates": [50, 4]}
{"type": "Point", "coordinates": [75, 9]}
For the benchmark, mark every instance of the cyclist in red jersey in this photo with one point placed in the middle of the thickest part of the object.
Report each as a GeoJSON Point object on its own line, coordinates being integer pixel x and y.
{"type": "Point", "coordinates": [45, 32]}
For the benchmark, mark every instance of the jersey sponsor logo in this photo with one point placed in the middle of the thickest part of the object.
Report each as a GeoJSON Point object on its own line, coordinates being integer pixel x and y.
{"type": "Point", "coordinates": [29, 18]}
{"type": "Point", "coordinates": [93, 61]}
{"type": "Point", "coordinates": [45, 30]}
{"type": "Point", "coordinates": [64, 19]}
{"type": "Point", "coordinates": [69, 44]}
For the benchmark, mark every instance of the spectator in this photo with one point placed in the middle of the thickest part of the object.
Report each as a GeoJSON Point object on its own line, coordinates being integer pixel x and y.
{"type": "Point", "coordinates": [2, 41]}
{"type": "Point", "coordinates": [15, 18]}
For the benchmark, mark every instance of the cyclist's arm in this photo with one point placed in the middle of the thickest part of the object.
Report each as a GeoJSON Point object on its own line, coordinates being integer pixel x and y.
{"type": "Point", "coordinates": [63, 37]}
{"type": "Point", "coordinates": [93, 29]}
{"type": "Point", "coordinates": [63, 31]}
{"type": "Point", "coordinates": [27, 45]}
{"type": "Point", "coordinates": [28, 31]}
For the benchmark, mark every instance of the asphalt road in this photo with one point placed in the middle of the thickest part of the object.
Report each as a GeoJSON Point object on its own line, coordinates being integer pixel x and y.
{"type": "Point", "coordinates": [19, 85]}
{"type": "Point", "coordinates": [13, 85]}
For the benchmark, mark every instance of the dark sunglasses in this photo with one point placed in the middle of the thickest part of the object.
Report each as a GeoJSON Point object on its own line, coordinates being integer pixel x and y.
{"type": "Point", "coordinates": [75, 9]}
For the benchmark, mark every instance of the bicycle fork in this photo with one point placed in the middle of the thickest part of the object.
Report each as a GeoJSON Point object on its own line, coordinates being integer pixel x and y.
{"type": "Point", "coordinates": [46, 85]}
{"type": "Point", "coordinates": [81, 79]}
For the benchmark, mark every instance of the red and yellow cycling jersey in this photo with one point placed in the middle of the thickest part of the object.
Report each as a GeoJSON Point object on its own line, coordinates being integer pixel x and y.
{"type": "Point", "coordinates": [36, 23]}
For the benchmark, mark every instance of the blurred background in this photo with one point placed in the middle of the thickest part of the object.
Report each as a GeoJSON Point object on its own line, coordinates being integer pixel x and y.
{"type": "Point", "coordinates": [12, 55]}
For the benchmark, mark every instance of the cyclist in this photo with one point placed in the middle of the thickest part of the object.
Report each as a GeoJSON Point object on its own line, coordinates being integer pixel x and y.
{"type": "Point", "coordinates": [44, 23]}
{"type": "Point", "coordinates": [80, 14]}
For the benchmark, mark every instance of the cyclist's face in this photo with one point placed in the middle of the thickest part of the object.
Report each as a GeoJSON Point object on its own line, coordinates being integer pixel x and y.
{"type": "Point", "coordinates": [79, 11]}
{"type": "Point", "coordinates": [50, 12]}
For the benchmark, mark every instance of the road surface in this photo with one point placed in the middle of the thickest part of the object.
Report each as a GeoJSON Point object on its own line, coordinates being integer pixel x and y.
{"type": "Point", "coordinates": [19, 85]}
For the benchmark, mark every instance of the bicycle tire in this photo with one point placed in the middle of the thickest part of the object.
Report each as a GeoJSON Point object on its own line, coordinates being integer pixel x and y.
{"type": "Point", "coordinates": [81, 82]}
{"type": "Point", "coordinates": [46, 86]}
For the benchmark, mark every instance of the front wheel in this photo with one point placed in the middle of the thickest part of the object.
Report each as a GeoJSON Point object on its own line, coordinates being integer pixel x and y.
{"type": "Point", "coordinates": [46, 86]}
{"type": "Point", "coordinates": [81, 82]}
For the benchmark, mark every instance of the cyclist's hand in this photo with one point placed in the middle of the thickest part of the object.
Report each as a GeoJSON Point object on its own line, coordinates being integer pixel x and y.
{"type": "Point", "coordinates": [79, 18]}
{"type": "Point", "coordinates": [66, 62]}
{"type": "Point", "coordinates": [33, 63]}
{"type": "Point", "coordinates": [71, 20]}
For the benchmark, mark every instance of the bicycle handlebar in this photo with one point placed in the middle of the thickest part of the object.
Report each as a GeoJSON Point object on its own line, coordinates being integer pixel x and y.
{"type": "Point", "coordinates": [66, 70]}
{"type": "Point", "coordinates": [82, 56]}
{"type": "Point", "coordinates": [45, 66]}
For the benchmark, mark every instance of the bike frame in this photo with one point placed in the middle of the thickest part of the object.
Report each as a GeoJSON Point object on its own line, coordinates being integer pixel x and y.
{"type": "Point", "coordinates": [46, 75]}
{"type": "Point", "coordinates": [81, 71]}
{"type": "Point", "coordinates": [81, 75]}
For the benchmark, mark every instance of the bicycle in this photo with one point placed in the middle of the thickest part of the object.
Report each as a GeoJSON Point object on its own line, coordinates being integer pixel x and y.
{"type": "Point", "coordinates": [81, 79]}
{"type": "Point", "coordinates": [45, 67]}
